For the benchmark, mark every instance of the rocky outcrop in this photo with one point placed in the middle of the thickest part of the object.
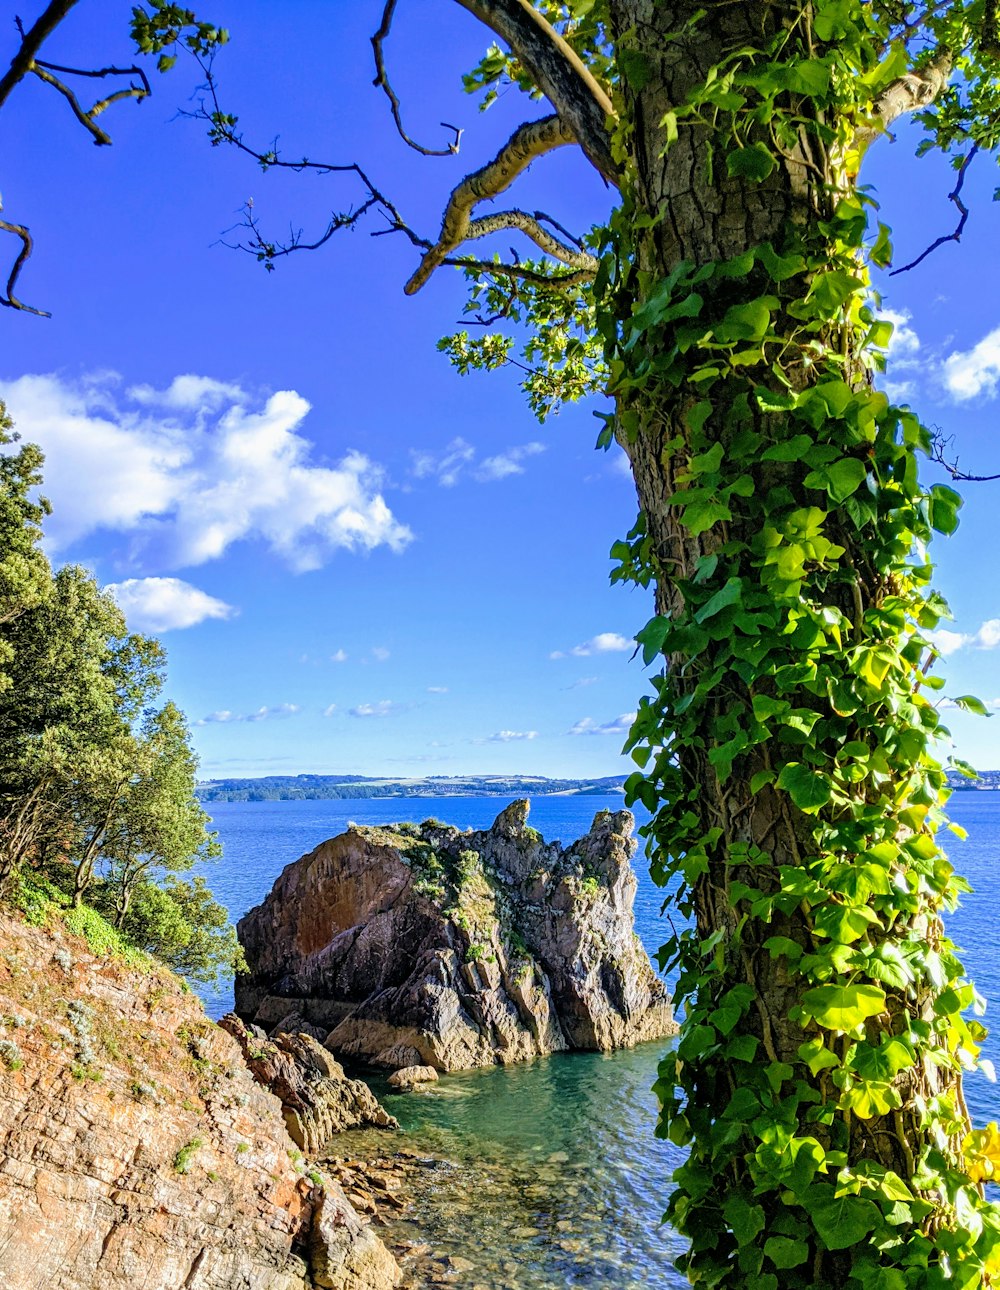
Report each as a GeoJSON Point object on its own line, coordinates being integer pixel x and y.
{"type": "Point", "coordinates": [317, 1098]}
{"type": "Point", "coordinates": [137, 1149]}
{"type": "Point", "coordinates": [408, 1077]}
{"type": "Point", "coordinates": [425, 945]}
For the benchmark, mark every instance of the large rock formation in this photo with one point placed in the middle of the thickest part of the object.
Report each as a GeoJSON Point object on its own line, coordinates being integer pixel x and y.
{"type": "Point", "coordinates": [137, 1149]}
{"type": "Point", "coordinates": [431, 946]}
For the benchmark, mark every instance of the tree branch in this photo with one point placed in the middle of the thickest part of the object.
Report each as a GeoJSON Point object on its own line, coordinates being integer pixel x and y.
{"type": "Point", "coordinates": [939, 444]}
{"type": "Point", "coordinates": [382, 81]}
{"type": "Point", "coordinates": [528, 141]}
{"type": "Point", "coordinates": [529, 225]}
{"type": "Point", "coordinates": [30, 45]}
{"type": "Point", "coordinates": [915, 90]}
{"type": "Point", "coordinates": [9, 300]}
{"type": "Point", "coordinates": [558, 71]}
{"type": "Point", "coordinates": [954, 196]}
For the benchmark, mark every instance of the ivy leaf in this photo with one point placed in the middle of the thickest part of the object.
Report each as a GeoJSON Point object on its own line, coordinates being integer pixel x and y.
{"type": "Point", "coordinates": [971, 704]}
{"type": "Point", "coordinates": [816, 1056]}
{"type": "Point", "coordinates": [807, 788]}
{"type": "Point", "coordinates": [730, 594]}
{"type": "Point", "coordinates": [755, 162]}
{"type": "Point", "coordinates": [784, 1252]}
{"type": "Point", "coordinates": [746, 1221]}
{"type": "Point", "coordinates": [843, 1007]}
{"type": "Point", "coordinates": [701, 515]}
{"type": "Point", "coordinates": [843, 1221]}
{"type": "Point", "coordinates": [944, 506]}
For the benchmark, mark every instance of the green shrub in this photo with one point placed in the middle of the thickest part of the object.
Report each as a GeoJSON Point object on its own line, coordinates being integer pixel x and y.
{"type": "Point", "coordinates": [184, 1157]}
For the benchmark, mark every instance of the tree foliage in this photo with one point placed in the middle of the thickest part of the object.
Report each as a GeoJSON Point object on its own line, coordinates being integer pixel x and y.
{"type": "Point", "coordinates": [96, 780]}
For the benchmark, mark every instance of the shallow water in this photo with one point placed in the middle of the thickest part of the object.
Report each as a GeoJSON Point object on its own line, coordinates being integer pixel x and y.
{"type": "Point", "coordinates": [521, 1213]}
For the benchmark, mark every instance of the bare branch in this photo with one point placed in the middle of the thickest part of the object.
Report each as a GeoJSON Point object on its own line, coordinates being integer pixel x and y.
{"type": "Point", "coordinates": [939, 446]}
{"type": "Point", "coordinates": [30, 45]}
{"type": "Point", "coordinates": [9, 299]}
{"type": "Point", "coordinates": [954, 196]}
{"type": "Point", "coordinates": [382, 80]}
{"type": "Point", "coordinates": [915, 90]}
{"type": "Point", "coordinates": [528, 141]}
{"type": "Point", "coordinates": [558, 71]}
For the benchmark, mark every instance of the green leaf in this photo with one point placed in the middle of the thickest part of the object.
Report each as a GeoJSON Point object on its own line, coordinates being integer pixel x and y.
{"type": "Point", "coordinates": [746, 1220]}
{"type": "Point", "coordinates": [971, 704]}
{"type": "Point", "coordinates": [944, 507]}
{"type": "Point", "coordinates": [807, 788]}
{"type": "Point", "coordinates": [785, 1252]}
{"type": "Point", "coordinates": [730, 594]}
{"type": "Point", "coordinates": [816, 1056]}
{"type": "Point", "coordinates": [843, 1007]}
{"type": "Point", "coordinates": [843, 1221]}
{"type": "Point", "coordinates": [698, 516]}
{"type": "Point", "coordinates": [755, 162]}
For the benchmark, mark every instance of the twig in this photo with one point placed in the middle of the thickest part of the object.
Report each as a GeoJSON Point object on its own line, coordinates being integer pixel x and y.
{"type": "Point", "coordinates": [10, 300]}
{"type": "Point", "coordinates": [382, 81]}
{"type": "Point", "coordinates": [954, 196]}
{"type": "Point", "coordinates": [938, 446]}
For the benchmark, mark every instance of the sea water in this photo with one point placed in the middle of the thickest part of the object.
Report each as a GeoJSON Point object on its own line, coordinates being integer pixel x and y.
{"type": "Point", "coordinates": [560, 1181]}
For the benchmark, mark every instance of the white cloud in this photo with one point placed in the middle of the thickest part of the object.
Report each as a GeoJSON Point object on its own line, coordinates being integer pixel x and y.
{"type": "Point", "coordinates": [904, 342]}
{"type": "Point", "coordinates": [509, 736]}
{"type": "Point", "coordinates": [507, 463]}
{"type": "Point", "coordinates": [339, 657]}
{"type": "Point", "coordinates": [226, 717]}
{"type": "Point", "coordinates": [329, 710]}
{"type": "Point", "coordinates": [588, 726]}
{"type": "Point", "coordinates": [193, 469]}
{"type": "Point", "coordinates": [458, 461]}
{"type": "Point", "coordinates": [602, 643]}
{"type": "Point", "coordinates": [437, 689]}
{"type": "Point", "coordinates": [380, 653]}
{"type": "Point", "coordinates": [384, 708]}
{"type": "Point", "coordinates": [583, 682]}
{"type": "Point", "coordinates": [188, 392]}
{"type": "Point", "coordinates": [947, 642]}
{"type": "Point", "coordinates": [975, 371]}
{"type": "Point", "coordinates": [165, 604]}
{"type": "Point", "coordinates": [447, 467]}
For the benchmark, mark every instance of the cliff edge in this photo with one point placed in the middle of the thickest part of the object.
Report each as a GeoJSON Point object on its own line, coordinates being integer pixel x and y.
{"type": "Point", "coordinates": [426, 945]}
{"type": "Point", "coordinates": [136, 1147]}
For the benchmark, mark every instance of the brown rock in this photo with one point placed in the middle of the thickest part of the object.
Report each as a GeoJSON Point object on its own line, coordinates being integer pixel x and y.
{"type": "Point", "coordinates": [317, 1098]}
{"type": "Point", "coordinates": [136, 1147]}
{"type": "Point", "coordinates": [448, 949]}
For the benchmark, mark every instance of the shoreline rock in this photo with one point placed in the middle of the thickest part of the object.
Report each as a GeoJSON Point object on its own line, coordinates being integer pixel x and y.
{"type": "Point", "coordinates": [428, 946]}
{"type": "Point", "coordinates": [135, 1145]}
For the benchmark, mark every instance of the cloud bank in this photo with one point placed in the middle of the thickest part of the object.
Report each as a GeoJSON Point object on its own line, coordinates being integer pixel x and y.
{"type": "Point", "coordinates": [188, 471]}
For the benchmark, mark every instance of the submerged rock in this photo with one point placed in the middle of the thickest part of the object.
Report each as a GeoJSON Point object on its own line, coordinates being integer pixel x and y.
{"type": "Point", "coordinates": [424, 945]}
{"type": "Point", "coordinates": [410, 1076]}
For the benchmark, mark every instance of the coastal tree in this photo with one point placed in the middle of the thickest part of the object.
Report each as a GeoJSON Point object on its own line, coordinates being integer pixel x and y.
{"type": "Point", "coordinates": [788, 749]}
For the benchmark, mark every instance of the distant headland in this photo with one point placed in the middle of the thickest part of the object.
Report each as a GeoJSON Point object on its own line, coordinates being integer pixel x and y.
{"type": "Point", "coordinates": [283, 788]}
{"type": "Point", "coordinates": [983, 779]}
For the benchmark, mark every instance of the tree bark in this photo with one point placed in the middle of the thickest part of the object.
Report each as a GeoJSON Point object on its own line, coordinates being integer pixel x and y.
{"type": "Point", "coordinates": [703, 216]}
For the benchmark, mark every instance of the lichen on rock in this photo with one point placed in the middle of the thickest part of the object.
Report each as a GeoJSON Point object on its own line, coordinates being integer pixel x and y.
{"type": "Point", "coordinates": [428, 945]}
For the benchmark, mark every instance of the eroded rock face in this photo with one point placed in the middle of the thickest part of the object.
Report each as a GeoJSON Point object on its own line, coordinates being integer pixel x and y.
{"type": "Point", "coordinates": [431, 946]}
{"type": "Point", "coordinates": [317, 1098]}
{"type": "Point", "coordinates": [136, 1149]}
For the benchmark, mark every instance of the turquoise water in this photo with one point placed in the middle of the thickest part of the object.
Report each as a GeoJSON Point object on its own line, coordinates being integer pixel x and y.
{"type": "Point", "coordinates": [561, 1175]}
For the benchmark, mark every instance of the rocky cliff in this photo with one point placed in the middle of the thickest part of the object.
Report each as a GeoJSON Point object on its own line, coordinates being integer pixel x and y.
{"type": "Point", "coordinates": [136, 1147]}
{"type": "Point", "coordinates": [423, 944]}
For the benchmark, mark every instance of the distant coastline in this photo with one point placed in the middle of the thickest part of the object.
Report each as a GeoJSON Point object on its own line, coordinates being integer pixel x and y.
{"type": "Point", "coordinates": [301, 788]}
{"type": "Point", "coordinates": [984, 781]}
{"type": "Point", "coordinates": [298, 788]}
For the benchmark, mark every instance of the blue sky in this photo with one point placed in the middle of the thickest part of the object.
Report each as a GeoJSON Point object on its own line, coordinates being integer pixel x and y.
{"type": "Point", "coordinates": [358, 560]}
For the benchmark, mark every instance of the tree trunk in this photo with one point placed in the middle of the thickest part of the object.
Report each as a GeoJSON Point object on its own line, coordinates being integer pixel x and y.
{"type": "Point", "coordinates": [756, 836]}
